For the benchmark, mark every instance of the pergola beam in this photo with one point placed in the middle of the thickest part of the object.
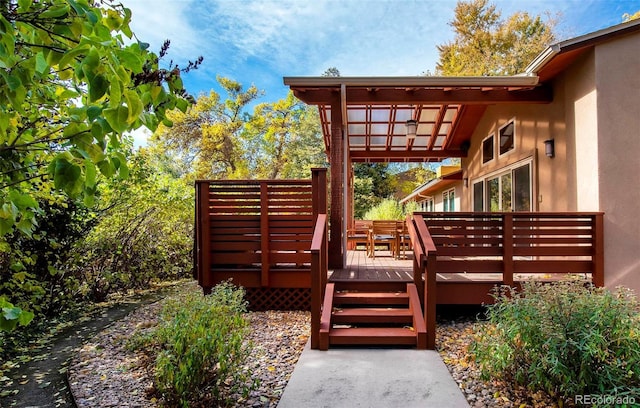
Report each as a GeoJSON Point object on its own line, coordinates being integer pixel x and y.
{"type": "Point", "coordinates": [402, 155]}
{"type": "Point", "coordinates": [393, 96]}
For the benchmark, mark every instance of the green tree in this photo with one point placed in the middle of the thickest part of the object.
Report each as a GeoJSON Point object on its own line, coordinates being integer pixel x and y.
{"type": "Point", "coordinates": [144, 233]}
{"type": "Point", "coordinates": [208, 136]}
{"type": "Point", "coordinates": [484, 44]}
{"type": "Point", "coordinates": [628, 17]}
{"type": "Point", "coordinates": [372, 183]}
{"type": "Point", "coordinates": [286, 140]}
{"type": "Point", "coordinates": [73, 80]}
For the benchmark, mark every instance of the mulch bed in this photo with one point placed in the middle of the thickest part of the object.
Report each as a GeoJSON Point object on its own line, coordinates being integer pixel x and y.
{"type": "Point", "coordinates": [106, 373]}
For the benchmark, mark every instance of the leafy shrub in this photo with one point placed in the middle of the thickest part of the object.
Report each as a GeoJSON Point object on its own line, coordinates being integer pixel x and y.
{"type": "Point", "coordinates": [567, 338]}
{"type": "Point", "coordinates": [202, 345]}
{"type": "Point", "coordinates": [32, 266]}
{"type": "Point", "coordinates": [389, 209]}
{"type": "Point", "coordinates": [144, 235]}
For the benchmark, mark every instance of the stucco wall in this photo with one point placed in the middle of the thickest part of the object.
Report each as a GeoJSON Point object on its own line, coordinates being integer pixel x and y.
{"type": "Point", "coordinates": [618, 119]}
{"type": "Point", "coordinates": [534, 123]}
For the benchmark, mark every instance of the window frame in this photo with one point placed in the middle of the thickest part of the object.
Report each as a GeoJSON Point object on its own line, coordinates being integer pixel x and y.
{"type": "Point", "coordinates": [497, 174]}
{"type": "Point", "coordinates": [514, 145]}
{"type": "Point", "coordinates": [493, 148]}
{"type": "Point", "coordinates": [446, 200]}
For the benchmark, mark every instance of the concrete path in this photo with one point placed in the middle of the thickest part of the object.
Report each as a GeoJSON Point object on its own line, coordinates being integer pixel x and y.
{"type": "Point", "coordinates": [371, 378]}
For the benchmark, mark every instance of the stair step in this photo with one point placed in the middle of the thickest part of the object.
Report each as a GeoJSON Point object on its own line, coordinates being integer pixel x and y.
{"type": "Point", "coordinates": [372, 315]}
{"type": "Point", "coordinates": [370, 298]}
{"type": "Point", "coordinates": [372, 336]}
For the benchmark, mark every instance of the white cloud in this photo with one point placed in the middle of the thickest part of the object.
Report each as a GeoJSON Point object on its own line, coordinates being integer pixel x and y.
{"type": "Point", "coordinates": [140, 137]}
{"type": "Point", "coordinates": [357, 37]}
{"type": "Point", "coordinates": [154, 21]}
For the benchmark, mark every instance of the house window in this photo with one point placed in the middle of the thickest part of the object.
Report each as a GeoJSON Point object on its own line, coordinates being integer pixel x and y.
{"type": "Point", "coordinates": [428, 204]}
{"type": "Point", "coordinates": [448, 200]}
{"type": "Point", "coordinates": [507, 138]}
{"type": "Point", "coordinates": [487, 149]}
{"type": "Point", "coordinates": [478, 196]}
{"type": "Point", "coordinates": [509, 190]}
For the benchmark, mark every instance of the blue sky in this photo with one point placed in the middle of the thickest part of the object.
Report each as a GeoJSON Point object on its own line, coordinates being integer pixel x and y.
{"type": "Point", "coordinates": [259, 41]}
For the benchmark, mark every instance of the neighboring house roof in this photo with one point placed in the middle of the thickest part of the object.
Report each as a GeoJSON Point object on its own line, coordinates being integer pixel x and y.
{"type": "Point", "coordinates": [559, 56]}
{"type": "Point", "coordinates": [446, 178]}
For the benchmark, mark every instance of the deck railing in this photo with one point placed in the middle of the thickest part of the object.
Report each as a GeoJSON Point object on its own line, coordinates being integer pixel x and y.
{"type": "Point", "coordinates": [514, 245]}
{"type": "Point", "coordinates": [258, 232]}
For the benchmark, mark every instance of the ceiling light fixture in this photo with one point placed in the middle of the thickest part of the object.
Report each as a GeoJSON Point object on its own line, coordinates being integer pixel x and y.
{"type": "Point", "coordinates": [412, 127]}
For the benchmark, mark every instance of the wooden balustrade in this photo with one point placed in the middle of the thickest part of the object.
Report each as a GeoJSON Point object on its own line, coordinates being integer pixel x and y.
{"type": "Point", "coordinates": [514, 245]}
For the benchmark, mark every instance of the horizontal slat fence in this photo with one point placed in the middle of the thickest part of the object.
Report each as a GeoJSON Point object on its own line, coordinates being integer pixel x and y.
{"type": "Point", "coordinates": [503, 243]}
{"type": "Point", "coordinates": [515, 242]}
{"type": "Point", "coordinates": [256, 232]}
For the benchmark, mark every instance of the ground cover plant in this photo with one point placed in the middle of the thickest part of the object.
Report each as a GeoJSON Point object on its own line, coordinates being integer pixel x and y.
{"type": "Point", "coordinates": [568, 338]}
{"type": "Point", "coordinates": [200, 348]}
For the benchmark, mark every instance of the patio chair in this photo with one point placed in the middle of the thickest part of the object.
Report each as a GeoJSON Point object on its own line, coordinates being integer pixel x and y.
{"type": "Point", "coordinates": [382, 233]}
{"type": "Point", "coordinates": [403, 240]}
{"type": "Point", "coordinates": [359, 234]}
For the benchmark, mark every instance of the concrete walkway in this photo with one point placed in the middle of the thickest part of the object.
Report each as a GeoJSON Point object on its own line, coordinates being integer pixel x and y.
{"type": "Point", "coordinates": [371, 378]}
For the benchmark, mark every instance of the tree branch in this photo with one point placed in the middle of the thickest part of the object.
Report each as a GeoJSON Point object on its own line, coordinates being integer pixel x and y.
{"type": "Point", "coordinates": [22, 181]}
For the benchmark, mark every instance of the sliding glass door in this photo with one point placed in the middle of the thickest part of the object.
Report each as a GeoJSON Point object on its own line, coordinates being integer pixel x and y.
{"type": "Point", "coordinates": [509, 190]}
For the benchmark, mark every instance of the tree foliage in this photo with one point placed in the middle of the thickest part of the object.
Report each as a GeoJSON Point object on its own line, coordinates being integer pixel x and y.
{"type": "Point", "coordinates": [286, 140]}
{"type": "Point", "coordinates": [628, 17]}
{"type": "Point", "coordinates": [484, 44]}
{"type": "Point", "coordinates": [208, 135]}
{"type": "Point", "coordinates": [219, 139]}
{"type": "Point", "coordinates": [73, 79]}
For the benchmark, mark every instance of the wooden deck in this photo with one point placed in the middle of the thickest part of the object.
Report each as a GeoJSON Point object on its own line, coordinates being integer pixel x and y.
{"type": "Point", "coordinates": [384, 267]}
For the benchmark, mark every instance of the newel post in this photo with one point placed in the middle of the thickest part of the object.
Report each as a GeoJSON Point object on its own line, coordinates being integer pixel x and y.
{"type": "Point", "coordinates": [318, 250]}
{"type": "Point", "coordinates": [319, 200]}
{"type": "Point", "coordinates": [507, 249]}
{"type": "Point", "coordinates": [430, 299]}
{"type": "Point", "coordinates": [598, 244]}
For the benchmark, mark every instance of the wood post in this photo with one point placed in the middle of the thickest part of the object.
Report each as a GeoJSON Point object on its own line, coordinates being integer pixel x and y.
{"type": "Point", "coordinates": [318, 270]}
{"type": "Point", "coordinates": [598, 247]}
{"type": "Point", "coordinates": [337, 194]}
{"type": "Point", "coordinates": [264, 233]}
{"type": "Point", "coordinates": [430, 299]}
{"type": "Point", "coordinates": [507, 249]}
{"type": "Point", "coordinates": [319, 199]}
{"type": "Point", "coordinates": [205, 278]}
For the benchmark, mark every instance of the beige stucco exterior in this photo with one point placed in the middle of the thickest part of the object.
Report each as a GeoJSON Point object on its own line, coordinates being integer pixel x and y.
{"type": "Point", "coordinates": [594, 120]}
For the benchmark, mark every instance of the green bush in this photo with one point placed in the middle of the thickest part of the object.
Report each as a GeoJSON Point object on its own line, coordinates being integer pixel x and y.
{"type": "Point", "coordinates": [390, 209]}
{"type": "Point", "coordinates": [567, 338]}
{"type": "Point", "coordinates": [203, 347]}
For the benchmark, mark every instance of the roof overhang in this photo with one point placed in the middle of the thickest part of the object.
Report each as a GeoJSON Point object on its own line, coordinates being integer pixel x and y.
{"type": "Point", "coordinates": [559, 56]}
{"type": "Point", "coordinates": [375, 110]}
{"type": "Point", "coordinates": [434, 185]}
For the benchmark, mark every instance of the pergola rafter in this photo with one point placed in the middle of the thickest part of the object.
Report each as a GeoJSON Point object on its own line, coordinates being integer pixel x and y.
{"type": "Point", "coordinates": [364, 120]}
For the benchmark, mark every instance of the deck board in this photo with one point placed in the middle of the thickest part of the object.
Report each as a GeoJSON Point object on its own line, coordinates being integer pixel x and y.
{"type": "Point", "coordinates": [381, 268]}
{"type": "Point", "coordinates": [384, 267]}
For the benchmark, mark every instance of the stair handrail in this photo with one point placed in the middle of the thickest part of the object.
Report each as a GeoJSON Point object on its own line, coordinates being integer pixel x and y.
{"type": "Point", "coordinates": [319, 257]}
{"type": "Point", "coordinates": [425, 253]}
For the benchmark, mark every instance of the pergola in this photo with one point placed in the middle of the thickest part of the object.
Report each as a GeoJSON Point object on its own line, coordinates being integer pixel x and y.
{"type": "Point", "coordinates": [364, 119]}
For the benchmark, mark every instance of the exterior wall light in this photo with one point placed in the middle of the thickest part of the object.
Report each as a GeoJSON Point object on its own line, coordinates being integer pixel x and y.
{"type": "Point", "coordinates": [549, 148]}
{"type": "Point", "coordinates": [412, 127]}
{"type": "Point", "coordinates": [465, 181]}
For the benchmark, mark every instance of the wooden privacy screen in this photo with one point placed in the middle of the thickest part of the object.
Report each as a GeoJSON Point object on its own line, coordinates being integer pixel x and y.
{"type": "Point", "coordinates": [257, 233]}
{"type": "Point", "coordinates": [518, 243]}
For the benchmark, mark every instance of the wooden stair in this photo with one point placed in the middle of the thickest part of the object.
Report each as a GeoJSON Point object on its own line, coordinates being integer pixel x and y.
{"type": "Point", "coordinates": [372, 315]}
